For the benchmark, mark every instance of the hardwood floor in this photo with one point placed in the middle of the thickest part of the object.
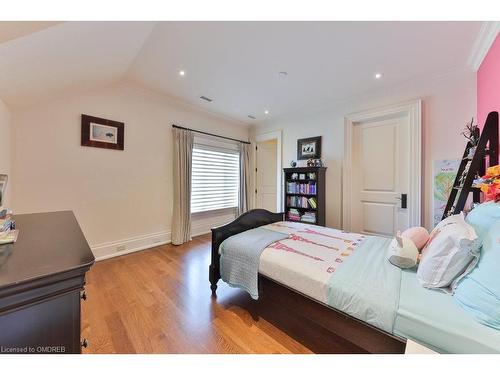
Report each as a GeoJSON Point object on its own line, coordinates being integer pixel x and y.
{"type": "Point", "coordinates": [159, 301]}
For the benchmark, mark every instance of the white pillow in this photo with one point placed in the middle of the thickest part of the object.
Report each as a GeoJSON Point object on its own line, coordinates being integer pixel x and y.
{"type": "Point", "coordinates": [451, 252]}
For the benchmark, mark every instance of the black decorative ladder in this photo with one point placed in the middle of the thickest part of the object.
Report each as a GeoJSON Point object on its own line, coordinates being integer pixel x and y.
{"type": "Point", "coordinates": [470, 167]}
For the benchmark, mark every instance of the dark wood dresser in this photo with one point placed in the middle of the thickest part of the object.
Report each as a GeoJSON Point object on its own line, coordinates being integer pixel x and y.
{"type": "Point", "coordinates": [42, 278]}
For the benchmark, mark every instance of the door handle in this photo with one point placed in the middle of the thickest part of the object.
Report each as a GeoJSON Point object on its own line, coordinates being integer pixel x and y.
{"type": "Point", "coordinates": [403, 199]}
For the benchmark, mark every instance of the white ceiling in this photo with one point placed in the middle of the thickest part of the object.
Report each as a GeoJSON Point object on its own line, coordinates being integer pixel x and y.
{"type": "Point", "coordinates": [234, 63]}
{"type": "Point", "coordinates": [16, 29]}
{"type": "Point", "coordinates": [68, 55]}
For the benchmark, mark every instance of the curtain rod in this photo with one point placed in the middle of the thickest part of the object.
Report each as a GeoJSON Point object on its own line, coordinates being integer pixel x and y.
{"type": "Point", "coordinates": [213, 135]}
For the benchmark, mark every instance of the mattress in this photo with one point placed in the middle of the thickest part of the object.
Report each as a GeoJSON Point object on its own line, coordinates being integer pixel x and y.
{"type": "Point", "coordinates": [306, 261]}
{"type": "Point", "coordinates": [433, 319]}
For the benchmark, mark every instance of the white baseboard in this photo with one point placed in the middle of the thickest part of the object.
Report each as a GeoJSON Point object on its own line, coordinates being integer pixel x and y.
{"type": "Point", "coordinates": [199, 227]}
{"type": "Point", "coordinates": [117, 248]}
{"type": "Point", "coordinates": [113, 249]}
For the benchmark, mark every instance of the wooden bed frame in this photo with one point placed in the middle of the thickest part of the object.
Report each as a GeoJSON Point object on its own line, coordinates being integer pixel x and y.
{"type": "Point", "coordinates": [363, 335]}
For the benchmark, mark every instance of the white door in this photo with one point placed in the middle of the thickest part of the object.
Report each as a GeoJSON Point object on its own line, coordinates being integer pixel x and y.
{"type": "Point", "coordinates": [380, 176]}
{"type": "Point", "coordinates": [266, 178]}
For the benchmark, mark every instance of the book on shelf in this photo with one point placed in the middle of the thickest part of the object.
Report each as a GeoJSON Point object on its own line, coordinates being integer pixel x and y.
{"type": "Point", "coordinates": [293, 214]}
{"type": "Point", "coordinates": [308, 217]}
{"type": "Point", "coordinates": [301, 188]}
{"type": "Point", "coordinates": [312, 202]}
{"type": "Point", "coordinates": [301, 202]}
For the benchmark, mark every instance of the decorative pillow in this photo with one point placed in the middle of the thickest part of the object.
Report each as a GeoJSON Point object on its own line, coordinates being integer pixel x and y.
{"type": "Point", "coordinates": [419, 236]}
{"type": "Point", "coordinates": [483, 216]}
{"type": "Point", "coordinates": [451, 252]}
{"type": "Point", "coordinates": [479, 292]}
{"type": "Point", "coordinates": [402, 252]}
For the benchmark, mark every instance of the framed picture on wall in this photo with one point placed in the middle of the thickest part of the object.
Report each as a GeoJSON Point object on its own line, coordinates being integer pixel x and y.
{"type": "Point", "coordinates": [102, 133]}
{"type": "Point", "coordinates": [309, 148]}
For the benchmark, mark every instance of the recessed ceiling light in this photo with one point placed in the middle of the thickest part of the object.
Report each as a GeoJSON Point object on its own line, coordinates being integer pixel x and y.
{"type": "Point", "coordinates": [378, 75]}
{"type": "Point", "coordinates": [182, 73]}
{"type": "Point", "coordinates": [266, 112]}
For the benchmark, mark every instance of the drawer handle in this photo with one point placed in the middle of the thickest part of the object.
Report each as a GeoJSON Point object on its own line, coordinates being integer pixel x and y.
{"type": "Point", "coordinates": [84, 343]}
{"type": "Point", "coordinates": [83, 295]}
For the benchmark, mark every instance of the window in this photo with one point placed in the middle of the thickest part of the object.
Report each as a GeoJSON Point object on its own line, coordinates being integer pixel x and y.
{"type": "Point", "coordinates": [215, 178]}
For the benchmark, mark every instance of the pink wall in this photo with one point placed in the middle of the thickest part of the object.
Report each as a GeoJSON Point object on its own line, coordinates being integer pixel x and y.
{"type": "Point", "coordinates": [488, 83]}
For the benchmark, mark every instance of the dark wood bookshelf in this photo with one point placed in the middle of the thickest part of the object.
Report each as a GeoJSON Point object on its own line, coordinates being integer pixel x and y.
{"type": "Point", "coordinates": [317, 192]}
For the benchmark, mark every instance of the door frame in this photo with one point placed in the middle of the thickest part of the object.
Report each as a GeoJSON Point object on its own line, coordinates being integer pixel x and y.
{"type": "Point", "coordinates": [413, 109]}
{"type": "Point", "coordinates": [275, 135]}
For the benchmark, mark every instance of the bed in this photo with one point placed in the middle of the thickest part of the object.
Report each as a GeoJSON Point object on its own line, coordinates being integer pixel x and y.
{"type": "Point", "coordinates": [343, 282]}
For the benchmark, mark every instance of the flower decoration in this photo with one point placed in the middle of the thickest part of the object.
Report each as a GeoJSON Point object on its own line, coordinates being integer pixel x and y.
{"type": "Point", "coordinates": [490, 184]}
{"type": "Point", "coordinates": [471, 133]}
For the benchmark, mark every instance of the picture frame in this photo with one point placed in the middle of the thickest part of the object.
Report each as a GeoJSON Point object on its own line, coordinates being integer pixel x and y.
{"type": "Point", "coordinates": [309, 148]}
{"type": "Point", "coordinates": [102, 133]}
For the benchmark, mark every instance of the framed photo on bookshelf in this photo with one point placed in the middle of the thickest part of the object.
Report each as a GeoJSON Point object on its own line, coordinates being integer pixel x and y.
{"type": "Point", "coordinates": [309, 148]}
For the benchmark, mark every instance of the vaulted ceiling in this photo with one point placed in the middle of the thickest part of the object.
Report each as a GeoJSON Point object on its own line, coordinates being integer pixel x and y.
{"type": "Point", "coordinates": [236, 64]}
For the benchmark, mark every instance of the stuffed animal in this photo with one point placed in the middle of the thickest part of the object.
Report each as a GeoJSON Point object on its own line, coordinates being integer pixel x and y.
{"type": "Point", "coordinates": [402, 252]}
{"type": "Point", "coordinates": [418, 235]}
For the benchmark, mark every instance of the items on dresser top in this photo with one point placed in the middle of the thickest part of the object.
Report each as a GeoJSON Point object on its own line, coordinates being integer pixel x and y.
{"type": "Point", "coordinates": [8, 234]}
{"type": "Point", "coordinates": [7, 223]}
{"type": "Point", "coordinates": [8, 238]}
{"type": "Point", "coordinates": [4, 212]}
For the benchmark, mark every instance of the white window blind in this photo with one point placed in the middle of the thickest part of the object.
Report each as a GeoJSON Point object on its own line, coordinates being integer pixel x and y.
{"type": "Point", "coordinates": [215, 178]}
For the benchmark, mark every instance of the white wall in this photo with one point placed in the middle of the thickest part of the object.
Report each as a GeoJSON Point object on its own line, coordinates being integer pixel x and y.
{"type": "Point", "coordinates": [448, 103]}
{"type": "Point", "coordinates": [5, 133]}
{"type": "Point", "coordinates": [120, 198]}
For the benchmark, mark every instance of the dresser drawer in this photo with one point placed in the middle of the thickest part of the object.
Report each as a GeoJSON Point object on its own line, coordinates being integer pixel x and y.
{"type": "Point", "coordinates": [50, 326]}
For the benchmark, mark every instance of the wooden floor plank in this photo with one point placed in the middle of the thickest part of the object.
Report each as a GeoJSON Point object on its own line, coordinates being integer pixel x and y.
{"type": "Point", "coordinates": [119, 335]}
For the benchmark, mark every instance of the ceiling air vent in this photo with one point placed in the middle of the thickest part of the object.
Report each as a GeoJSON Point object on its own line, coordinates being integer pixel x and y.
{"type": "Point", "coordinates": [252, 117]}
{"type": "Point", "coordinates": [205, 98]}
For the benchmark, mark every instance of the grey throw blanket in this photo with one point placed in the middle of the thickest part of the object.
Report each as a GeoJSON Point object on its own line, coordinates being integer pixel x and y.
{"type": "Point", "coordinates": [240, 257]}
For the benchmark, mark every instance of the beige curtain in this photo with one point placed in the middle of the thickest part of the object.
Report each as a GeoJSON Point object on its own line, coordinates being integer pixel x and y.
{"type": "Point", "coordinates": [182, 159]}
{"type": "Point", "coordinates": [245, 196]}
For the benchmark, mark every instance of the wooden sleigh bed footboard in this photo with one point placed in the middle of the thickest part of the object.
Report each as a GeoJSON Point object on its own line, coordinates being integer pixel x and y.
{"type": "Point", "coordinates": [360, 334]}
{"type": "Point", "coordinates": [249, 220]}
